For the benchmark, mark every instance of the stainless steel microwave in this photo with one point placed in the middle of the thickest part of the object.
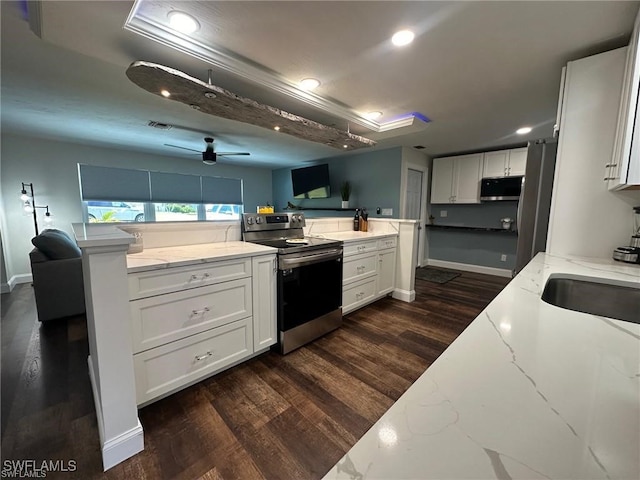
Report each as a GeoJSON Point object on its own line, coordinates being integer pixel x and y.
{"type": "Point", "coordinates": [501, 188]}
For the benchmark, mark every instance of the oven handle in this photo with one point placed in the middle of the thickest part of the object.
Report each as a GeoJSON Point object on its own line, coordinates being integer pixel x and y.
{"type": "Point", "coordinates": [285, 263]}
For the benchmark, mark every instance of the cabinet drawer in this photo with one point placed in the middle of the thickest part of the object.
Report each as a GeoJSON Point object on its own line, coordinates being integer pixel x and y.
{"type": "Point", "coordinates": [358, 294]}
{"type": "Point", "coordinates": [388, 242]}
{"type": "Point", "coordinates": [169, 367]}
{"type": "Point", "coordinates": [159, 320]}
{"type": "Point", "coordinates": [358, 266]}
{"type": "Point", "coordinates": [157, 282]}
{"type": "Point", "coordinates": [360, 247]}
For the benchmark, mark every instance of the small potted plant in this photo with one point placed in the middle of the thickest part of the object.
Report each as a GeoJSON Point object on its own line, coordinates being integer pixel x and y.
{"type": "Point", "coordinates": [345, 193]}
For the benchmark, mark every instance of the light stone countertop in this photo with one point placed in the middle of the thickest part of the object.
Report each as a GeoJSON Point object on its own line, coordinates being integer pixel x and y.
{"type": "Point", "coordinates": [353, 236]}
{"type": "Point", "coordinates": [165, 257]}
{"type": "Point", "coordinates": [527, 391]}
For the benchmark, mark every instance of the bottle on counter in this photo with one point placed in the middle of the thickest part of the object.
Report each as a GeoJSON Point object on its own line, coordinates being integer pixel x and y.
{"type": "Point", "coordinates": [356, 221]}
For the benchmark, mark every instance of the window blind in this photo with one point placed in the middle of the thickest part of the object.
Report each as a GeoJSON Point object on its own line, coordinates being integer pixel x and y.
{"type": "Point", "coordinates": [221, 190]}
{"type": "Point", "coordinates": [175, 188]}
{"type": "Point", "coordinates": [108, 183]}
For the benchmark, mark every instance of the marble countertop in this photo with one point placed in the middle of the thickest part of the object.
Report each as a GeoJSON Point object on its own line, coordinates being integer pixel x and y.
{"type": "Point", "coordinates": [159, 258]}
{"type": "Point", "coordinates": [527, 391]}
{"type": "Point", "coordinates": [353, 236]}
{"type": "Point", "coordinates": [100, 235]}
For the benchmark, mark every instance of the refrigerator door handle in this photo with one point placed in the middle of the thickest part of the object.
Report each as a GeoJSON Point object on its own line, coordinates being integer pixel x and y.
{"type": "Point", "coordinates": [519, 212]}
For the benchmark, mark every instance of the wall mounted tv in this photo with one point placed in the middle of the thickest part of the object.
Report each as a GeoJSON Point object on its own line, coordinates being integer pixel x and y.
{"type": "Point", "coordinates": [311, 182]}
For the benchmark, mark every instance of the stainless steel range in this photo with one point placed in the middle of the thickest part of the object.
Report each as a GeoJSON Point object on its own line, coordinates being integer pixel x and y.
{"type": "Point", "coordinates": [309, 276]}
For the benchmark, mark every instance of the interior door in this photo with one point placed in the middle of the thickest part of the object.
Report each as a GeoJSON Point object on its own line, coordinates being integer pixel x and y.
{"type": "Point", "coordinates": [413, 205]}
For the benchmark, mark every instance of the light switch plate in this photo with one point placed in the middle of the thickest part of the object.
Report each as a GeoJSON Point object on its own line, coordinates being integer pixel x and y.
{"type": "Point", "coordinates": [443, 213]}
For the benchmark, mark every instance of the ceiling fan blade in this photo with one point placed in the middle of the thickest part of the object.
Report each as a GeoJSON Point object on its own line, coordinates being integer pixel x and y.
{"type": "Point", "coordinates": [183, 148]}
{"type": "Point", "coordinates": [232, 153]}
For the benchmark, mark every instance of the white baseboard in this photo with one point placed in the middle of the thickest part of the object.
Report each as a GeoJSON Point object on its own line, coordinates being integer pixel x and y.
{"type": "Point", "coordinates": [15, 280]}
{"type": "Point", "coordinates": [466, 267]}
{"type": "Point", "coordinates": [404, 295]}
{"type": "Point", "coordinates": [118, 449]}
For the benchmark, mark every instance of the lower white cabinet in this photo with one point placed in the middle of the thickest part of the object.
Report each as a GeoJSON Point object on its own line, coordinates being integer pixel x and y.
{"type": "Point", "coordinates": [368, 271]}
{"type": "Point", "coordinates": [177, 364]}
{"type": "Point", "coordinates": [386, 271]}
{"type": "Point", "coordinates": [264, 282]}
{"type": "Point", "coordinates": [188, 323]}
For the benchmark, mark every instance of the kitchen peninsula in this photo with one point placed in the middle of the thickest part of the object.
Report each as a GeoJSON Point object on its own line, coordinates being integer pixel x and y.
{"type": "Point", "coordinates": [173, 314]}
{"type": "Point", "coordinates": [528, 390]}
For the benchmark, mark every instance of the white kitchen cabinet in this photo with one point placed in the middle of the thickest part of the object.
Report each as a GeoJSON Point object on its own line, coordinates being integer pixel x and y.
{"type": "Point", "coordinates": [505, 163]}
{"type": "Point", "coordinates": [369, 268]}
{"type": "Point", "coordinates": [456, 179]}
{"type": "Point", "coordinates": [190, 322]}
{"type": "Point", "coordinates": [623, 169]}
{"type": "Point", "coordinates": [181, 363]}
{"type": "Point", "coordinates": [386, 271]}
{"type": "Point", "coordinates": [264, 282]}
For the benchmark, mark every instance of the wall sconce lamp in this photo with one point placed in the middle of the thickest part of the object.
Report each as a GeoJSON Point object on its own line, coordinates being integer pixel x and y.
{"type": "Point", "coordinates": [29, 205]}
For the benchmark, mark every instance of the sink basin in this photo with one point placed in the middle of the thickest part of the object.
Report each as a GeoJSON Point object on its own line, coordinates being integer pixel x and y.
{"type": "Point", "coordinates": [620, 301]}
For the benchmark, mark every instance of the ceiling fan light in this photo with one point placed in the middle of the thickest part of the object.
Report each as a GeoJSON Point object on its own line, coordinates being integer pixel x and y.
{"type": "Point", "coordinates": [402, 38]}
{"type": "Point", "coordinates": [523, 130]}
{"type": "Point", "coordinates": [309, 83]}
{"type": "Point", "coordinates": [182, 22]}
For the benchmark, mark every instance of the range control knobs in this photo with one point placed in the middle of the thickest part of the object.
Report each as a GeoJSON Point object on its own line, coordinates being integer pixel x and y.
{"type": "Point", "coordinates": [249, 220]}
{"type": "Point", "coordinates": [259, 220]}
{"type": "Point", "coordinates": [296, 217]}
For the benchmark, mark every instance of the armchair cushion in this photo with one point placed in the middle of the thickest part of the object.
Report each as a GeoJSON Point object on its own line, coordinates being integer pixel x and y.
{"type": "Point", "coordinates": [56, 244]}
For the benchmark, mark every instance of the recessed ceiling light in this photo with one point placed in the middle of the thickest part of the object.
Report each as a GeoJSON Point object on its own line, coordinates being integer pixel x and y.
{"type": "Point", "coordinates": [402, 38]}
{"type": "Point", "coordinates": [276, 128]}
{"type": "Point", "coordinates": [373, 115]}
{"type": "Point", "coordinates": [309, 83]}
{"type": "Point", "coordinates": [182, 22]}
{"type": "Point", "coordinates": [345, 146]}
{"type": "Point", "coordinates": [523, 130]}
{"type": "Point", "coordinates": [165, 93]}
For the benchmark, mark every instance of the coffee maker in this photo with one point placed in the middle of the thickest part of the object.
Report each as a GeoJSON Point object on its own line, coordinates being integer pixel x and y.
{"type": "Point", "coordinates": [631, 253]}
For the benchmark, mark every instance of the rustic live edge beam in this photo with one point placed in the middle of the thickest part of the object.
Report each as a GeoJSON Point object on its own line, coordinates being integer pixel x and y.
{"type": "Point", "coordinates": [222, 103]}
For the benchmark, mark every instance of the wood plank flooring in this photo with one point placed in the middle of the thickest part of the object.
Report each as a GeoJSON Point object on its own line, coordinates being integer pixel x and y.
{"type": "Point", "coordinates": [273, 417]}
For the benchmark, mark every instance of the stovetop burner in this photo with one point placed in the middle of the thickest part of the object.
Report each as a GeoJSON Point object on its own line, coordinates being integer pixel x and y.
{"type": "Point", "coordinates": [282, 231]}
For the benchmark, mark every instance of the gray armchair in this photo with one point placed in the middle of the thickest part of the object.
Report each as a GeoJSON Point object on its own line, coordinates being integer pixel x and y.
{"type": "Point", "coordinates": [58, 285]}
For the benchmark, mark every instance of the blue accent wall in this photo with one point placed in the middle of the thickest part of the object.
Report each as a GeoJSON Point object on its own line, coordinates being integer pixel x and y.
{"type": "Point", "coordinates": [375, 182]}
{"type": "Point", "coordinates": [476, 248]}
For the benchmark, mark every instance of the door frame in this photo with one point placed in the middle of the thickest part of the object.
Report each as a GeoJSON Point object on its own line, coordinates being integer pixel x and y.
{"type": "Point", "coordinates": [420, 162]}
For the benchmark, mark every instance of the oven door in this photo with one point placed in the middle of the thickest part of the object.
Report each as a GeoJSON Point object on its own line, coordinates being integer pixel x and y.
{"type": "Point", "coordinates": [309, 286]}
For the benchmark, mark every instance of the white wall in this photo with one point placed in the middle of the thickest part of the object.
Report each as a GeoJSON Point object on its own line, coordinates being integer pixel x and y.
{"type": "Point", "coordinates": [587, 219]}
{"type": "Point", "coordinates": [52, 167]}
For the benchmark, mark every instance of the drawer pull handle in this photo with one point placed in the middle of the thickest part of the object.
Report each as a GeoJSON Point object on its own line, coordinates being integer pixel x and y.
{"type": "Point", "coordinates": [199, 312]}
{"type": "Point", "coordinates": [202, 357]}
{"type": "Point", "coordinates": [195, 277]}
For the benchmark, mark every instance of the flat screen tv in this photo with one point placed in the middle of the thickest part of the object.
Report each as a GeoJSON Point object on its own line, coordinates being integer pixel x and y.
{"type": "Point", "coordinates": [311, 182]}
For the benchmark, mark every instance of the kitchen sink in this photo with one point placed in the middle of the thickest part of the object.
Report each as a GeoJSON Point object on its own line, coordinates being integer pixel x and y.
{"type": "Point", "coordinates": [590, 295]}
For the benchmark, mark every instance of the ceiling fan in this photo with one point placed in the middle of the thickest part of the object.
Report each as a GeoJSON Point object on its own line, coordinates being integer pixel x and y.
{"type": "Point", "coordinates": [209, 156]}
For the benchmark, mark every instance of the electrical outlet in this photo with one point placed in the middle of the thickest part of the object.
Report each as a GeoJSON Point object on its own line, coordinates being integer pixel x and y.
{"type": "Point", "coordinates": [443, 213]}
{"type": "Point", "coordinates": [503, 258]}
{"type": "Point", "coordinates": [387, 211]}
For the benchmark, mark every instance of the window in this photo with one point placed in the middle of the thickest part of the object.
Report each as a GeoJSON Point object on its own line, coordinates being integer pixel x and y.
{"type": "Point", "coordinates": [123, 195]}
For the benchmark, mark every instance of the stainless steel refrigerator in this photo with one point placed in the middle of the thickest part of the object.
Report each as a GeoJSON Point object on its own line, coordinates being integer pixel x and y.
{"type": "Point", "coordinates": [535, 200]}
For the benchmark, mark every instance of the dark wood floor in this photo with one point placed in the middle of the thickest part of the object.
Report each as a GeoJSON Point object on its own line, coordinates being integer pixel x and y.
{"type": "Point", "coordinates": [273, 417]}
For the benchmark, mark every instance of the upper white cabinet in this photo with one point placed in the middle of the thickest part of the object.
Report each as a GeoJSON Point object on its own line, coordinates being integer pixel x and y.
{"type": "Point", "coordinates": [623, 170]}
{"type": "Point", "coordinates": [505, 163]}
{"type": "Point", "coordinates": [457, 179]}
